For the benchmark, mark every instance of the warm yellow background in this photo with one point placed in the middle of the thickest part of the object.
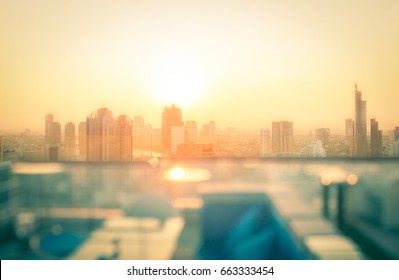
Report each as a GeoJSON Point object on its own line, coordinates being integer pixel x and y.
{"type": "Point", "coordinates": [248, 63]}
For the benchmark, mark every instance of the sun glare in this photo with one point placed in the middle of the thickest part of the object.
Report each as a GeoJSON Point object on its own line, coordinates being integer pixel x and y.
{"type": "Point", "coordinates": [177, 173]}
{"type": "Point", "coordinates": [179, 80]}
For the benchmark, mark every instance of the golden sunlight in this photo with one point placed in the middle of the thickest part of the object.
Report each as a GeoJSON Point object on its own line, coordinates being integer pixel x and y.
{"type": "Point", "coordinates": [179, 80]}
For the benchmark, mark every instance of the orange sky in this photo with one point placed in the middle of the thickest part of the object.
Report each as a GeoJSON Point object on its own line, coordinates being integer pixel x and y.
{"type": "Point", "coordinates": [239, 63]}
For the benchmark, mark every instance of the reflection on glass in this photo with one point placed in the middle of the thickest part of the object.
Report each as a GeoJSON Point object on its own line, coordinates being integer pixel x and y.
{"type": "Point", "coordinates": [200, 209]}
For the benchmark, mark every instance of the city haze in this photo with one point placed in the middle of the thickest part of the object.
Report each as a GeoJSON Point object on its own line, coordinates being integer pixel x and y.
{"type": "Point", "coordinates": [238, 63]}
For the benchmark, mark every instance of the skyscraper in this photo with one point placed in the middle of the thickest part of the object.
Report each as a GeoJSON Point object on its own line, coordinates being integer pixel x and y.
{"type": "Point", "coordinates": [55, 134]}
{"type": "Point", "coordinates": [69, 140]}
{"type": "Point", "coordinates": [375, 139]}
{"type": "Point", "coordinates": [52, 131]}
{"type": "Point", "coordinates": [121, 139]}
{"type": "Point", "coordinates": [360, 125]}
{"type": "Point", "coordinates": [396, 134]}
{"type": "Point", "coordinates": [191, 132]}
{"type": "Point", "coordinates": [350, 136]}
{"type": "Point", "coordinates": [170, 117]}
{"type": "Point", "coordinates": [47, 125]}
{"type": "Point", "coordinates": [99, 131]}
{"type": "Point", "coordinates": [264, 143]}
{"type": "Point", "coordinates": [282, 137]}
{"type": "Point", "coordinates": [82, 138]}
{"type": "Point", "coordinates": [395, 144]}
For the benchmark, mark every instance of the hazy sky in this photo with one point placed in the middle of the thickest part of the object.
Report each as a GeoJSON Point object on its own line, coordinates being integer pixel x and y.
{"type": "Point", "coordinates": [239, 63]}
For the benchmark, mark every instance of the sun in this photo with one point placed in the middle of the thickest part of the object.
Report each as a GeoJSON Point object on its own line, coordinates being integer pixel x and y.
{"type": "Point", "coordinates": [179, 80]}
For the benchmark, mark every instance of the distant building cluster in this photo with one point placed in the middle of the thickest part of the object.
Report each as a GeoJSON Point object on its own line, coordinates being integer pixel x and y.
{"type": "Point", "coordinates": [356, 132]}
{"type": "Point", "coordinates": [279, 142]}
{"type": "Point", "coordinates": [103, 137]}
{"type": "Point", "coordinates": [181, 139]}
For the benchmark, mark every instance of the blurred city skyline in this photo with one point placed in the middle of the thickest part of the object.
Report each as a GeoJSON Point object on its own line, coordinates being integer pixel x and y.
{"type": "Point", "coordinates": [242, 64]}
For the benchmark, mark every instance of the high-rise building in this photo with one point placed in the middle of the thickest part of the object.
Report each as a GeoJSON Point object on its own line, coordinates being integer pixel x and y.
{"type": "Point", "coordinates": [108, 139]}
{"type": "Point", "coordinates": [282, 137]}
{"type": "Point", "coordinates": [396, 134]}
{"type": "Point", "coordinates": [53, 153]}
{"type": "Point", "coordinates": [170, 117]}
{"type": "Point", "coordinates": [208, 133]}
{"type": "Point", "coordinates": [205, 133]}
{"type": "Point", "coordinates": [395, 145]}
{"type": "Point", "coordinates": [55, 134]}
{"type": "Point", "coordinates": [264, 143]}
{"type": "Point", "coordinates": [350, 136]}
{"type": "Point", "coordinates": [82, 139]}
{"type": "Point", "coordinates": [360, 125]}
{"type": "Point", "coordinates": [191, 132]}
{"type": "Point", "coordinates": [375, 139]}
{"type": "Point", "coordinates": [47, 127]}
{"type": "Point", "coordinates": [323, 134]}
{"type": "Point", "coordinates": [100, 126]}
{"type": "Point", "coordinates": [52, 131]}
{"type": "Point", "coordinates": [70, 140]}
{"type": "Point", "coordinates": [121, 140]}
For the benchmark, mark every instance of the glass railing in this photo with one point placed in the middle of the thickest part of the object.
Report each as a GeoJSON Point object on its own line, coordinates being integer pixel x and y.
{"type": "Point", "coordinates": [201, 209]}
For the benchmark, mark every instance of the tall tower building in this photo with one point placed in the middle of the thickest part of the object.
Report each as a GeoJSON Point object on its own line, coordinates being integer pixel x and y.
{"type": "Point", "coordinates": [55, 134]}
{"type": "Point", "coordinates": [100, 126]}
{"type": "Point", "coordinates": [350, 136]}
{"type": "Point", "coordinates": [47, 127]}
{"type": "Point", "coordinates": [208, 133]}
{"type": "Point", "coordinates": [395, 144]}
{"type": "Point", "coordinates": [360, 125]}
{"type": "Point", "coordinates": [191, 132]}
{"type": "Point", "coordinates": [70, 140]}
{"type": "Point", "coordinates": [52, 131]}
{"type": "Point", "coordinates": [52, 137]}
{"type": "Point", "coordinates": [282, 137]}
{"type": "Point", "coordinates": [205, 133]}
{"type": "Point", "coordinates": [396, 134]}
{"type": "Point", "coordinates": [121, 139]}
{"type": "Point", "coordinates": [170, 117]}
{"type": "Point", "coordinates": [264, 143]}
{"type": "Point", "coordinates": [375, 139]}
{"type": "Point", "coordinates": [82, 138]}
